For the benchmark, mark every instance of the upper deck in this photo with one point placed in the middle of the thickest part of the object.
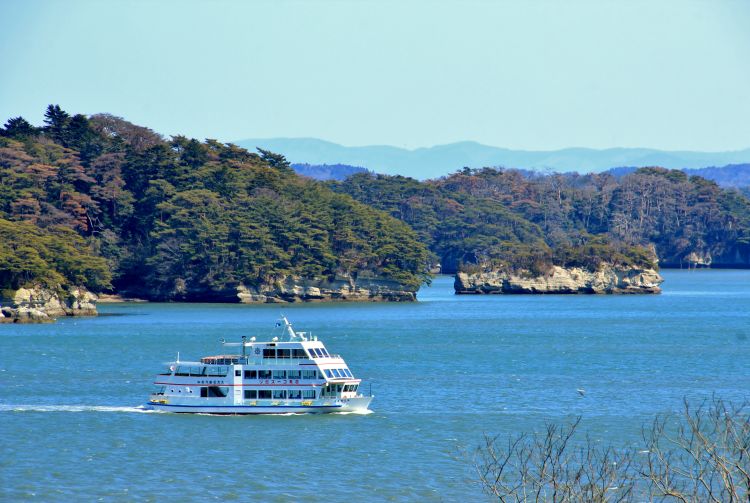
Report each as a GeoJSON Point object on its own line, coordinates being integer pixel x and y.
{"type": "Point", "coordinates": [274, 353]}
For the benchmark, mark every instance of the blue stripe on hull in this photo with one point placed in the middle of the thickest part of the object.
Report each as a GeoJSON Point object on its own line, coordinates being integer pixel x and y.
{"type": "Point", "coordinates": [260, 409]}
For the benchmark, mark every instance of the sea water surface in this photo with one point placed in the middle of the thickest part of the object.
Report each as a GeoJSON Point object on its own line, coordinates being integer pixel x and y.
{"type": "Point", "coordinates": [444, 371]}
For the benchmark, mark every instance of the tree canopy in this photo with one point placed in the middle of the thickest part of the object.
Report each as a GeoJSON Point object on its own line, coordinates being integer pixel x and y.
{"type": "Point", "coordinates": [185, 219]}
{"type": "Point", "coordinates": [522, 219]}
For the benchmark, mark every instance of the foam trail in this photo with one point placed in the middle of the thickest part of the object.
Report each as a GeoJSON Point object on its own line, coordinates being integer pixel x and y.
{"type": "Point", "coordinates": [358, 412]}
{"type": "Point", "coordinates": [72, 408]}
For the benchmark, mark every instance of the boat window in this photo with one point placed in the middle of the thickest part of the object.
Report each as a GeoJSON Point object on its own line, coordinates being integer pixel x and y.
{"type": "Point", "coordinates": [167, 372]}
{"type": "Point", "coordinates": [251, 374]}
{"type": "Point", "coordinates": [311, 352]}
{"type": "Point", "coordinates": [218, 391]}
{"type": "Point", "coordinates": [293, 374]}
{"type": "Point", "coordinates": [237, 373]}
{"type": "Point", "coordinates": [339, 387]}
{"type": "Point", "coordinates": [299, 353]}
{"type": "Point", "coordinates": [204, 392]}
{"type": "Point", "coordinates": [355, 386]}
{"type": "Point", "coordinates": [279, 374]}
{"type": "Point", "coordinates": [283, 353]}
{"type": "Point", "coordinates": [269, 353]}
{"type": "Point", "coordinates": [279, 393]}
{"type": "Point", "coordinates": [264, 393]}
{"type": "Point", "coordinates": [264, 374]}
{"type": "Point", "coordinates": [182, 371]}
{"type": "Point", "coordinates": [197, 371]}
{"type": "Point", "coordinates": [329, 373]}
{"type": "Point", "coordinates": [218, 371]}
{"type": "Point", "coordinates": [294, 394]}
{"type": "Point", "coordinates": [336, 373]}
{"type": "Point", "coordinates": [251, 394]}
{"type": "Point", "coordinates": [324, 351]}
{"type": "Point", "coordinates": [308, 393]}
{"type": "Point", "coordinates": [348, 373]}
{"type": "Point", "coordinates": [309, 374]}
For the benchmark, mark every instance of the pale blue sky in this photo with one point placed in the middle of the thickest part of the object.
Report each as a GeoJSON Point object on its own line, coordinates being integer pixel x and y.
{"type": "Point", "coordinates": [525, 74]}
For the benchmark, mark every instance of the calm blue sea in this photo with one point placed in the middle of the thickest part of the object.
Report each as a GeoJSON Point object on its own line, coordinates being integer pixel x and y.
{"type": "Point", "coordinates": [444, 371]}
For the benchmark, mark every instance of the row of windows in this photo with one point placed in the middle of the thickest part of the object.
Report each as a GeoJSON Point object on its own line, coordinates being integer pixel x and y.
{"type": "Point", "coordinates": [214, 391]}
{"type": "Point", "coordinates": [279, 394]}
{"type": "Point", "coordinates": [332, 373]}
{"type": "Point", "coordinates": [295, 353]}
{"type": "Point", "coordinates": [284, 353]}
{"type": "Point", "coordinates": [185, 371]}
{"type": "Point", "coordinates": [280, 374]}
{"type": "Point", "coordinates": [319, 353]}
{"type": "Point", "coordinates": [334, 389]}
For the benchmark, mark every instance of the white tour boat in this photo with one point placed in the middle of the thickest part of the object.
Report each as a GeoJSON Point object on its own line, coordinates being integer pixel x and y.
{"type": "Point", "coordinates": [297, 375]}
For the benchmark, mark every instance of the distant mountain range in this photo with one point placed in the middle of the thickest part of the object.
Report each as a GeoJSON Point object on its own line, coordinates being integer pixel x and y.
{"type": "Point", "coordinates": [731, 175]}
{"type": "Point", "coordinates": [327, 171]}
{"type": "Point", "coordinates": [432, 162]}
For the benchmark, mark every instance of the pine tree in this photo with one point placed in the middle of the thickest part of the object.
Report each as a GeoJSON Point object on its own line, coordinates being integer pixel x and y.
{"type": "Point", "coordinates": [274, 160]}
{"type": "Point", "coordinates": [17, 127]}
{"type": "Point", "coordinates": [56, 120]}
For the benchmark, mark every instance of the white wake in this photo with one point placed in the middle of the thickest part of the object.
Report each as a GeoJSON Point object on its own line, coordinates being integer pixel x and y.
{"type": "Point", "coordinates": [72, 408]}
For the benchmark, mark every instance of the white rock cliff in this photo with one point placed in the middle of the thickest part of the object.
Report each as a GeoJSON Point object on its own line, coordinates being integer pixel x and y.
{"type": "Point", "coordinates": [292, 289]}
{"type": "Point", "coordinates": [39, 304]}
{"type": "Point", "coordinates": [561, 280]}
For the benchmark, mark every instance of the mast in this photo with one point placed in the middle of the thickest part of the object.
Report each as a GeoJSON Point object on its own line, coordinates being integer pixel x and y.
{"type": "Point", "coordinates": [289, 329]}
{"type": "Point", "coordinates": [293, 336]}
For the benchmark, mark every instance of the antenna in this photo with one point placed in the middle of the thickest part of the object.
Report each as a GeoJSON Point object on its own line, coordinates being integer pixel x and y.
{"type": "Point", "coordinates": [289, 328]}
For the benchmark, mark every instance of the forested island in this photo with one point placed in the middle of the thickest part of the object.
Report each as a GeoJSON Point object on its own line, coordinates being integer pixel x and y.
{"type": "Point", "coordinates": [98, 204]}
{"type": "Point", "coordinates": [506, 231]}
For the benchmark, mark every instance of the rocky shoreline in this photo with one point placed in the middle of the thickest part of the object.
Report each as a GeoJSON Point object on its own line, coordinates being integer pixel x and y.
{"type": "Point", "coordinates": [363, 288]}
{"type": "Point", "coordinates": [559, 280]}
{"type": "Point", "coordinates": [38, 304]}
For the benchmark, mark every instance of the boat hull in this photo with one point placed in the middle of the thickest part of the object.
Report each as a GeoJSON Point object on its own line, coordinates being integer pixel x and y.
{"type": "Point", "coordinates": [359, 404]}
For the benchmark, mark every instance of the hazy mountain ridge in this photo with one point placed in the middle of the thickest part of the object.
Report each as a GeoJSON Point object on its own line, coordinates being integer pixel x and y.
{"type": "Point", "coordinates": [731, 175]}
{"type": "Point", "coordinates": [327, 171]}
{"type": "Point", "coordinates": [440, 160]}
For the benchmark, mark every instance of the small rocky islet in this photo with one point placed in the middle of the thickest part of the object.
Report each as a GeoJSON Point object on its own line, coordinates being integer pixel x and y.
{"type": "Point", "coordinates": [559, 280]}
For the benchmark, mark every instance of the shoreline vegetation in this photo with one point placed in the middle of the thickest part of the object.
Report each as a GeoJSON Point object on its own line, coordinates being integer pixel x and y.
{"type": "Point", "coordinates": [101, 206]}
{"type": "Point", "coordinates": [698, 454]}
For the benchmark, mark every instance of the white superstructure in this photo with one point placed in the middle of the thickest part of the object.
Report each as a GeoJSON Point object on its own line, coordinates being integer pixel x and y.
{"type": "Point", "coordinates": [295, 375]}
